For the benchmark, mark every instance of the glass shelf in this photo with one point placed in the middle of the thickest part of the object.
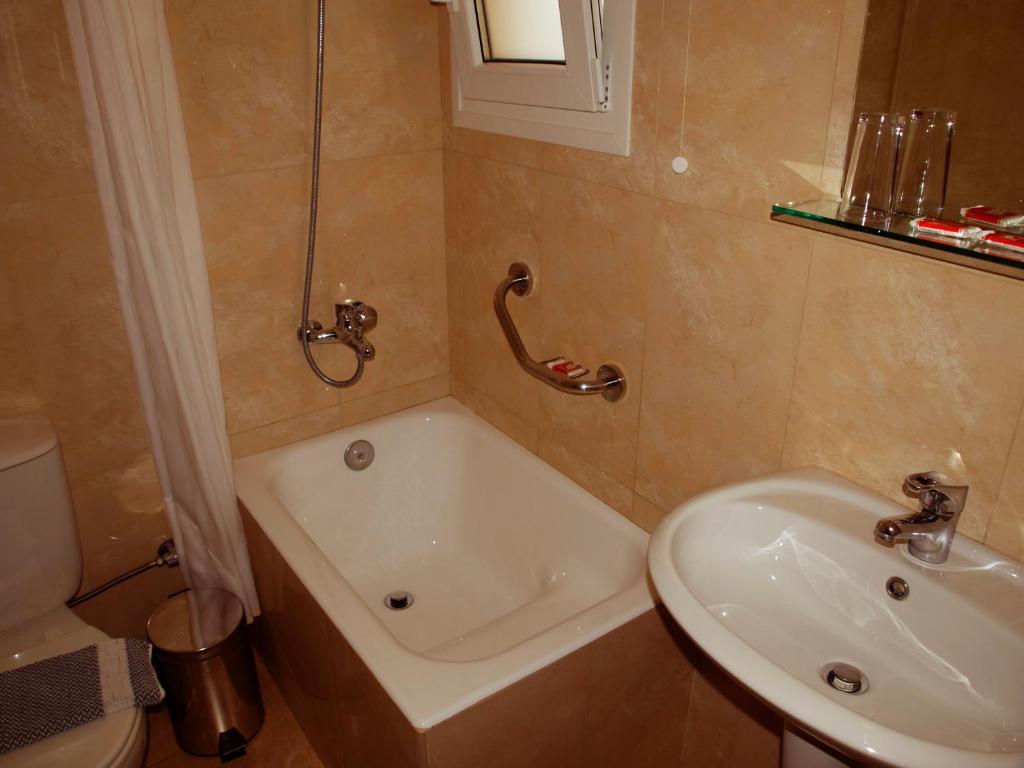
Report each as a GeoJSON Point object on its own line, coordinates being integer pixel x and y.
{"type": "Point", "coordinates": [823, 216]}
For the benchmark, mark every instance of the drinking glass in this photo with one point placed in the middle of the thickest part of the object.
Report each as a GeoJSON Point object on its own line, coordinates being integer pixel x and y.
{"type": "Point", "coordinates": [868, 189]}
{"type": "Point", "coordinates": [923, 169]}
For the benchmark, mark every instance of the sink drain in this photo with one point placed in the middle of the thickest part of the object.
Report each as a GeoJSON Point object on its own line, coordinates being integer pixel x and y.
{"type": "Point", "coordinates": [398, 600]}
{"type": "Point", "coordinates": [897, 588]}
{"type": "Point", "coordinates": [845, 678]}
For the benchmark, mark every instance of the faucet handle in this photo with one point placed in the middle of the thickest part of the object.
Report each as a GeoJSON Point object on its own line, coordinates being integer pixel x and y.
{"type": "Point", "coordinates": [919, 482]}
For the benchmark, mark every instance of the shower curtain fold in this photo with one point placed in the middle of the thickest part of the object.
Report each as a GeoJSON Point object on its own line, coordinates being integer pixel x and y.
{"type": "Point", "coordinates": [126, 75]}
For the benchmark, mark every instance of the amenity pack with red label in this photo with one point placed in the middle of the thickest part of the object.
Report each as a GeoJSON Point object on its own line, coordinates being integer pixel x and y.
{"type": "Point", "coordinates": [566, 368]}
{"type": "Point", "coordinates": [1004, 240]}
{"type": "Point", "coordinates": [986, 214]}
{"type": "Point", "coordinates": [947, 228]}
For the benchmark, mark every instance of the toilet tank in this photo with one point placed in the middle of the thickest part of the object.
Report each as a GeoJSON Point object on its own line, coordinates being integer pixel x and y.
{"type": "Point", "coordinates": [40, 558]}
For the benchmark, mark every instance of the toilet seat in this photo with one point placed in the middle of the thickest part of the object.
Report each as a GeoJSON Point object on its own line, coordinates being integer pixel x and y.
{"type": "Point", "coordinates": [115, 741]}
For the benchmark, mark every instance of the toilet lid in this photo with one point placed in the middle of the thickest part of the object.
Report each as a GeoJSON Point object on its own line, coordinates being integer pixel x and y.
{"type": "Point", "coordinates": [96, 745]}
{"type": "Point", "coordinates": [23, 438]}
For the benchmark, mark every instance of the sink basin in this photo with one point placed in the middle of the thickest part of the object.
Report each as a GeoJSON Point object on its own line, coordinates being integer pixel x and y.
{"type": "Point", "coordinates": [779, 577]}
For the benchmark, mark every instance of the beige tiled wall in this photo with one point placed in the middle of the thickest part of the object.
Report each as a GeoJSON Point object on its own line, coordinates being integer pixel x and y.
{"type": "Point", "coordinates": [749, 345]}
{"type": "Point", "coordinates": [245, 73]}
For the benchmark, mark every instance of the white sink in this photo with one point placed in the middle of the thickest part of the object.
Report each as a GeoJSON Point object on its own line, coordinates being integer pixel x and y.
{"type": "Point", "coordinates": [777, 577]}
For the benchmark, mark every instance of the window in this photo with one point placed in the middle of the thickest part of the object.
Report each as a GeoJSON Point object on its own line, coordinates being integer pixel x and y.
{"type": "Point", "coordinates": [553, 70]}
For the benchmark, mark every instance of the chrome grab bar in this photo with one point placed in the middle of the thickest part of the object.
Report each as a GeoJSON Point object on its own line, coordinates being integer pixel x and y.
{"type": "Point", "coordinates": [610, 382]}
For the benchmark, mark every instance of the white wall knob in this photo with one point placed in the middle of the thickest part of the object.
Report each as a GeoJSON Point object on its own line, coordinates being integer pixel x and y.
{"type": "Point", "coordinates": [680, 164]}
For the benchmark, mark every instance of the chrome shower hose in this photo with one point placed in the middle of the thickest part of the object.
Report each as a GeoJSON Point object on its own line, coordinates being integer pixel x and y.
{"type": "Point", "coordinates": [314, 197]}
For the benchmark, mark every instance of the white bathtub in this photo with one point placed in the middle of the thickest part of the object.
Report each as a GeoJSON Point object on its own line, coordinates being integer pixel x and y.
{"type": "Point", "coordinates": [510, 564]}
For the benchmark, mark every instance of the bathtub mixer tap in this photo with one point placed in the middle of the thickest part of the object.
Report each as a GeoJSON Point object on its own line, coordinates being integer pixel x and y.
{"type": "Point", "coordinates": [929, 532]}
{"type": "Point", "coordinates": [353, 320]}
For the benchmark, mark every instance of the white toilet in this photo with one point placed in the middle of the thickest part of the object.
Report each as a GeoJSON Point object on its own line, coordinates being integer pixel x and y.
{"type": "Point", "coordinates": [40, 569]}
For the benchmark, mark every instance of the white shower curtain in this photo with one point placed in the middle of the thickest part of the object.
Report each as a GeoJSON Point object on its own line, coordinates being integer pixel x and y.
{"type": "Point", "coordinates": [126, 74]}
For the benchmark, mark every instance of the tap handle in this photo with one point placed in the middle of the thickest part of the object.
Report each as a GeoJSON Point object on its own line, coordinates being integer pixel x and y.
{"type": "Point", "coordinates": [934, 502]}
{"type": "Point", "coordinates": [356, 316]}
{"type": "Point", "coordinates": [919, 482]}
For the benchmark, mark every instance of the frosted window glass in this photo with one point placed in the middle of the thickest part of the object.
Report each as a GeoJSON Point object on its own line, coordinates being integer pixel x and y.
{"type": "Point", "coordinates": [521, 30]}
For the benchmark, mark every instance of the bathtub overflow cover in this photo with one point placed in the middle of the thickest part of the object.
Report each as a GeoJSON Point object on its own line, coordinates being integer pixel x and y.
{"type": "Point", "coordinates": [398, 600]}
{"type": "Point", "coordinates": [359, 455]}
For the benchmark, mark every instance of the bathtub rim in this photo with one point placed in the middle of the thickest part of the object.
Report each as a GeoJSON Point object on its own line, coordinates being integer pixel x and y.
{"type": "Point", "coordinates": [437, 694]}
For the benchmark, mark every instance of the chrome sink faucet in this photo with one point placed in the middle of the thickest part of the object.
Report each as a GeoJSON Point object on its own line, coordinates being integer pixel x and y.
{"type": "Point", "coordinates": [928, 533]}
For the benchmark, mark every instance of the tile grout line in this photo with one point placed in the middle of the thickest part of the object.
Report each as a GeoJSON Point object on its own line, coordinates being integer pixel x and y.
{"type": "Point", "coordinates": [801, 330]}
{"type": "Point", "coordinates": [1017, 435]}
{"type": "Point", "coordinates": [649, 263]}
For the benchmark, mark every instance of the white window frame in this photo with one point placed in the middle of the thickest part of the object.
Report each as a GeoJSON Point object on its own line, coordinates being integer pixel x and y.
{"type": "Point", "coordinates": [585, 103]}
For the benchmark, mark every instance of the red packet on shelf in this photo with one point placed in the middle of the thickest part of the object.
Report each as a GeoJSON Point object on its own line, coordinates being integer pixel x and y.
{"type": "Point", "coordinates": [986, 214]}
{"type": "Point", "coordinates": [945, 228]}
{"type": "Point", "coordinates": [566, 368]}
{"type": "Point", "coordinates": [1013, 243]}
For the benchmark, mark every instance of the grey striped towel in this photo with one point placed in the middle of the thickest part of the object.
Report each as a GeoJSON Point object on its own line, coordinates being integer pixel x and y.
{"type": "Point", "coordinates": [54, 695]}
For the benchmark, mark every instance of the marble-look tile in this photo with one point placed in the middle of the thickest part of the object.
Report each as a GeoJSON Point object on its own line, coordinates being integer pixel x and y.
{"type": "Point", "coordinates": [121, 519]}
{"type": "Point", "coordinates": [723, 324]}
{"type": "Point", "coordinates": [727, 726]}
{"type": "Point", "coordinates": [382, 78]}
{"type": "Point", "coordinates": [496, 146]}
{"type": "Point", "coordinates": [245, 71]}
{"type": "Point", "coordinates": [538, 722]}
{"type": "Point", "coordinates": [291, 636]}
{"type": "Point", "coordinates": [263, 372]}
{"type": "Point", "coordinates": [382, 238]}
{"type": "Point", "coordinates": [646, 514]}
{"type": "Point", "coordinates": [372, 731]}
{"type": "Point", "coordinates": [595, 248]}
{"type": "Point", "coordinates": [636, 171]}
{"type": "Point", "coordinates": [17, 389]}
{"type": "Point", "coordinates": [844, 92]}
{"type": "Point", "coordinates": [748, 103]}
{"type": "Point", "coordinates": [1006, 529]}
{"type": "Point", "coordinates": [160, 744]}
{"type": "Point", "coordinates": [499, 417]}
{"type": "Point", "coordinates": [124, 610]}
{"type": "Point", "coordinates": [639, 694]}
{"type": "Point", "coordinates": [453, 268]}
{"type": "Point", "coordinates": [269, 692]}
{"type": "Point", "coordinates": [397, 399]}
{"type": "Point", "coordinates": [499, 217]}
{"type": "Point", "coordinates": [60, 274]}
{"type": "Point", "coordinates": [279, 744]}
{"type": "Point", "coordinates": [42, 124]}
{"type": "Point", "coordinates": [606, 488]}
{"type": "Point", "coordinates": [900, 370]}
{"type": "Point", "coordinates": [302, 635]}
{"type": "Point", "coordinates": [254, 236]}
{"type": "Point", "coordinates": [280, 433]}
{"type": "Point", "coordinates": [245, 77]}
{"type": "Point", "coordinates": [268, 576]}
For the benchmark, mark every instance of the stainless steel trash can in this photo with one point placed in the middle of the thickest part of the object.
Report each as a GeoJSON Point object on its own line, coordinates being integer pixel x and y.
{"type": "Point", "coordinates": [203, 658]}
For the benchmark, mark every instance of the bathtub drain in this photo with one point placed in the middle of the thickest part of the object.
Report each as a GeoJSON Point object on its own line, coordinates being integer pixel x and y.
{"type": "Point", "coordinates": [398, 600]}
